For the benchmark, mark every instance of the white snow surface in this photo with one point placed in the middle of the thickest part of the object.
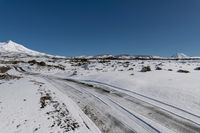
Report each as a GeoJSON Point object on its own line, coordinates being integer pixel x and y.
{"type": "Point", "coordinates": [20, 109]}
{"type": "Point", "coordinates": [98, 95]}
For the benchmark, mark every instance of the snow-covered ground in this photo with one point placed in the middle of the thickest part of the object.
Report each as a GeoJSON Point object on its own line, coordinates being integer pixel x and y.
{"type": "Point", "coordinates": [47, 94]}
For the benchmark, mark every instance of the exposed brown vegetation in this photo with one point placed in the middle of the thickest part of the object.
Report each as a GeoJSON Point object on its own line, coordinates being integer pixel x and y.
{"type": "Point", "coordinates": [8, 77]}
{"type": "Point", "coordinates": [4, 69]}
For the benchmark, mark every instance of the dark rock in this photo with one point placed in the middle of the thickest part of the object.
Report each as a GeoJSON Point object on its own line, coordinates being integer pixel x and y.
{"type": "Point", "coordinates": [158, 68]}
{"type": "Point", "coordinates": [198, 68]}
{"type": "Point", "coordinates": [146, 69]}
{"type": "Point", "coordinates": [183, 71]}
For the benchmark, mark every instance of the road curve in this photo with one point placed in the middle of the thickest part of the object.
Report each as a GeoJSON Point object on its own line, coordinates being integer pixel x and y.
{"type": "Point", "coordinates": [115, 112]}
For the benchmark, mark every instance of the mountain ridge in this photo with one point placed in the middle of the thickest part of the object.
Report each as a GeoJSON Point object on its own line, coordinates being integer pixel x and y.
{"type": "Point", "coordinates": [11, 47]}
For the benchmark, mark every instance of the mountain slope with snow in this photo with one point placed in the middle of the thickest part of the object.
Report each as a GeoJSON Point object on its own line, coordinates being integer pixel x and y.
{"type": "Point", "coordinates": [180, 55]}
{"type": "Point", "coordinates": [12, 47]}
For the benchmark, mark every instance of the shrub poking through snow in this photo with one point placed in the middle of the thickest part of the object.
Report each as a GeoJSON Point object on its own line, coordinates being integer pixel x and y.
{"type": "Point", "coordinates": [79, 61]}
{"type": "Point", "coordinates": [145, 69]}
{"type": "Point", "coordinates": [130, 69]}
{"type": "Point", "coordinates": [183, 71]}
{"type": "Point", "coordinates": [57, 112]}
{"type": "Point", "coordinates": [32, 62]}
{"type": "Point", "coordinates": [198, 68]}
{"type": "Point", "coordinates": [103, 61]}
{"type": "Point", "coordinates": [42, 63]}
{"type": "Point", "coordinates": [4, 69]}
{"type": "Point", "coordinates": [44, 100]}
{"type": "Point", "coordinates": [8, 77]}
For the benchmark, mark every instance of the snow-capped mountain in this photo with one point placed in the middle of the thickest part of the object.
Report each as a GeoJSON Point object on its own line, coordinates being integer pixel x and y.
{"type": "Point", "coordinates": [180, 55]}
{"type": "Point", "coordinates": [103, 56]}
{"type": "Point", "coordinates": [12, 47]}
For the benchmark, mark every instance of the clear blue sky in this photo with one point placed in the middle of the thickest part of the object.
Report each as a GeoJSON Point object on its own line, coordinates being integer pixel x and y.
{"type": "Point", "coordinates": [90, 27]}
